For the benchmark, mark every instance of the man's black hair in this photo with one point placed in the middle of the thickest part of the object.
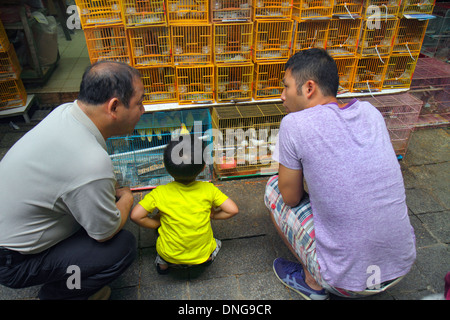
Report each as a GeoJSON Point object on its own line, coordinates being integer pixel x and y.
{"type": "Point", "coordinates": [317, 65]}
{"type": "Point", "coordinates": [183, 158]}
{"type": "Point", "coordinates": [105, 80]}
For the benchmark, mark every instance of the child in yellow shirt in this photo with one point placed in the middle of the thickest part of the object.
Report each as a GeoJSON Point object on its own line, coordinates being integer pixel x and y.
{"type": "Point", "coordinates": [185, 209]}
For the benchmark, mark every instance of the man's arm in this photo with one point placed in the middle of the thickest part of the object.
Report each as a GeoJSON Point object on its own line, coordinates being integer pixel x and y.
{"type": "Point", "coordinates": [290, 183]}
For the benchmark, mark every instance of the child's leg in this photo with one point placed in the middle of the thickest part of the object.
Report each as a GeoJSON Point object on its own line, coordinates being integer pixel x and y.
{"type": "Point", "coordinates": [161, 265]}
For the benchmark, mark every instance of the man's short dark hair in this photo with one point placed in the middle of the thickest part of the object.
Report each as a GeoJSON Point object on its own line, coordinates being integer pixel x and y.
{"type": "Point", "coordinates": [317, 65]}
{"type": "Point", "coordinates": [183, 159]}
{"type": "Point", "coordinates": [105, 80]}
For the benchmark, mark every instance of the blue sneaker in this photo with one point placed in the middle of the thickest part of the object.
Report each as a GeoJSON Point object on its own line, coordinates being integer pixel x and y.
{"type": "Point", "coordinates": [291, 274]}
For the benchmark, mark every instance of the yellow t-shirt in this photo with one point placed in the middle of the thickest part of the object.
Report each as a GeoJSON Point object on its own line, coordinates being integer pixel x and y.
{"type": "Point", "coordinates": [185, 235]}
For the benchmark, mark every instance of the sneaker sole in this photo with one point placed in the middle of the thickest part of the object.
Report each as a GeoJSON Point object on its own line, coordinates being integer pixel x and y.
{"type": "Point", "coordinates": [299, 292]}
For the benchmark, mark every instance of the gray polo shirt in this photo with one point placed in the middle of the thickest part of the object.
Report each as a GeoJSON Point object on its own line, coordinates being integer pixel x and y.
{"type": "Point", "coordinates": [54, 180]}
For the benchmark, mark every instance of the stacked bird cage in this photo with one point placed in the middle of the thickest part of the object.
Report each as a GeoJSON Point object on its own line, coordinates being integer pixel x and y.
{"type": "Point", "coordinates": [138, 158]}
{"type": "Point", "coordinates": [268, 80]}
{"type": "Point", "coordinates": [233, 42]}
{"type": "Point", "coordinates": [159, 84]}
{"type": "Point", "coordinates": [272, 9]}
{"type": "Point", "coordinates": [311, 9]}
{"type": "Point", "coordinates": [195, 83]}
{"type": "Point", "coordinates": [231, 10]}
{"type": "Point", "coordinates": [143, 12]}
{"type": "Point", "coordinates": [244, 139]}
{"type": "Point", "coordinates": [107, 43]}
{"type": "Point", "coordinates": [12, 91]}
{"type": "Point", "coordinates": [310, 34]}
{"type": "Point", "coordinates": [417, 7]}
{"type": "Point", "coordinates": [399, 71]}
{"type": "Point", "coordinates": [191, 44]}
{"type": "Point", "coordinates": [150, 46]}
{"type": "Point", "coordinates": [187, 12]}
{"type": "Point", "coordinates": [99, 13]}
{"type": "Point", "coordinates": [343, 8]}
{"type": "Point", "coordinates": [369, 75]}
{"type": "Point", "coordinates": [272, 40]}
{"type": "Point", "coordinates": [342, 39]}
{"type": "Point", "coordinates": [346, 67]}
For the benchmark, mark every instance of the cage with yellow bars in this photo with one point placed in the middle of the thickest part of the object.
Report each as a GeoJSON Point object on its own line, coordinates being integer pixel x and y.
{"type": "Point", "coordinates": [312, 9]}
{"type": "Point", "coordinates": [107, 43]}
{"type": "Point", "coordinates": [400, 70]}
{"type": "Point", "coordinates": [409, 36]}
{"type": "Point", "coordinates": [272, 40]}
{"type": "Point", "coordinates": [12, 94]}
{"type": "Point", "coordinates": [369, 74]}
{"type": "Point", "coordinates": [4, 40]}
{"type": "Point", "coordinates": [230, 10]}
{"type": "Point", "coordinates": [417, 7]}
{"type": "Point", "coordinates": [195, 83]}
{"type": "Point", "coordinates": [192, 44]}
{"type": "Point", "coordinates": [310, 34]}
{"type": "Point", "coordinates": [244, 139]}
{"type": "Point", "coordinates": [99, 12]}
{"type": "Point", "coordinates": [346, 68]}
{"type": "Point", "coordinates": [137, 13]}
{"type": "Point", "coordinates": [10, 67]}
{"type": "Point", "coordinates": [233, 42]}
{"type": "Point", "coordinates": [268, 80]}
{"type": "Point", "coordinates": [159, 84]}
{"type": "Point", "coordinates": [150, 45]}
{"type": "Point", "coordinates": [272, 9]}
{"type": "Point", "coordinates": [352, 8]}
{"type": "Point", "coordinates": [187, 11]}
{"type": "Point", "coordinates": [137, 158]}
{"type": "Point", "coordinates": [377, 40]}
{"type": "Point", "coordinates": [343, 36]}
{"type": "Point", "coordinates": [375, 10]}
{"type": "Point", "coordinates": [233, 82]}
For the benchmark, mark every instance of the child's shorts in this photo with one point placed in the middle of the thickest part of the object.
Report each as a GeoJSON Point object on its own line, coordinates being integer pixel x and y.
{"type": "Point", "coordinates": [213, 255]}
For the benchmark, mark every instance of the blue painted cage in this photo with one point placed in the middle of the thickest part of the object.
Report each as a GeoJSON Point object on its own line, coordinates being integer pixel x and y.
{"type": "Point", "coordinates": [138, 157]}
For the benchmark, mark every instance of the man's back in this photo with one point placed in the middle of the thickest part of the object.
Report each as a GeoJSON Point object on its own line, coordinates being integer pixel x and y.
{"type": "Point", "coordinates": [356, 191]}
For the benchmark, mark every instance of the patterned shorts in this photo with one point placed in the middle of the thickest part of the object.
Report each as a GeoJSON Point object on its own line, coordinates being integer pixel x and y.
{"type": "Point", "coordinates": [297, 225]}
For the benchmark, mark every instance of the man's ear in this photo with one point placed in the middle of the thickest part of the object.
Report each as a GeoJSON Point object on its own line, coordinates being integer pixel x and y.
{"type": "Point", "coordinates": [310, 88]}
{"type": "Point", "coordinates": [112, 106]}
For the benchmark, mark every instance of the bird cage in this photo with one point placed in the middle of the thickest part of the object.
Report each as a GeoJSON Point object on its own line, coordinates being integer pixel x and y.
{"type": "Point", "coordinates": [268, 80]}
{"type": "Point", "coordinates": [234, 82]}
{"type": "Point", "coordinates": [343, 36]}
{"type": "Point", "coordinates": [12, 94]}
{"type": "Point", "coordinates": [377, 40]}
{"type": "Point", "coordinates": [310, 34]}
{"type": "Point", "coordinates": [230, 10]}
{"type": "Point", "coordinates": [376, 10]}
{"type": "Point", "coordinates": [187, 11]}
{"type": "Point", "coordinates": [272, 9]}
{"type": "Point", "coordinates": [159, 84]}
{"type": "Point", "coordinates": [245, 137]}
{"type": "Point", "coordinates": [344, 8]}
{"type": "Point", "coordinates": [399, 71]}
{"type": "Point", "coordinates": [143, 13]}
{"type": "Point", "coordinates": [195, 84]}
{"type": "Point", "coordinates": [417, 7]}
{"type": "Point", "coordinates": [312, 9]}
{"type": "Point", "coordinates": [431, 72]}
{"type": "Point", "coordinates": [107, 43]}
{"type": "Point", "coordinates": [9, 64]}
{"type": "Point", "coordinates": [346, 68]}
{"type": "Point", "coordinates": [99, 12]}
{"type": "Point", "coordinates": [150, 46]}
{"type": "Point", "coordinates": [138, 157]}
{"type": "Point", "coordinates": [369, 75]}
{"type": "Point", "coordinates": [233, 42]}
{"type": "Point", "coordinates": [409, 36]}
{"type": "Point", "coordinates": [272, 40]}
{"type": "Point", "coordinates": [4, 41]}
{"type": "Point", "coordinates": [192, 44]}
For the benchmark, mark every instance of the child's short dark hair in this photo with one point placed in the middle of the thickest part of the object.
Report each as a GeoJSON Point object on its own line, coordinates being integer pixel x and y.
{"type": "Point", "coordinates": [183, 158]}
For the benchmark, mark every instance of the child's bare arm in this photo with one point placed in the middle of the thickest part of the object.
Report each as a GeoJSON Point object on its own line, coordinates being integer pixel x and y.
{"type": "Point", "coordinates": [140, 216]}
{"type": "Point", "coordinates": [227, 210]}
